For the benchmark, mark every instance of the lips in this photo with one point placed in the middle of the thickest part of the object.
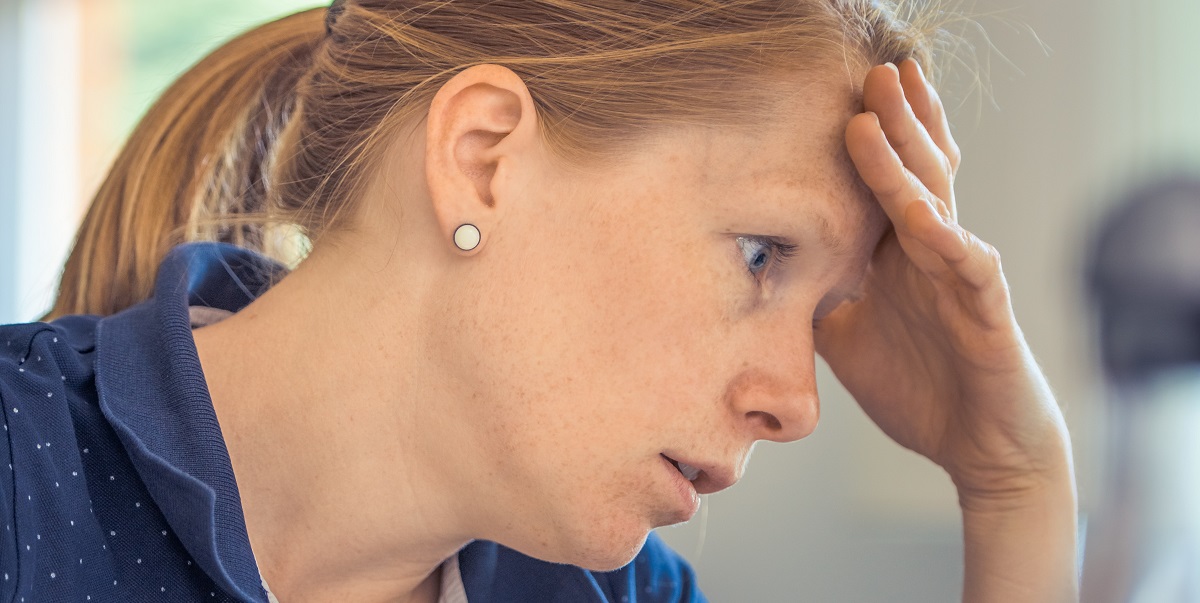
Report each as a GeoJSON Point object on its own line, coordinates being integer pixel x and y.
{"type": "Point", "coordinates": [689, 472]}
{"type": "Point", "coordinates": [707, 478]}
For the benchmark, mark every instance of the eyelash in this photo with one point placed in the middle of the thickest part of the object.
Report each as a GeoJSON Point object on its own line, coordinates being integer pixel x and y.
{"type": "Point", "coordinates": [780, 252]}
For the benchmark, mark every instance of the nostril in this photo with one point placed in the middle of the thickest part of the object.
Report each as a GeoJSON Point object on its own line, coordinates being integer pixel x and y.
{"type": "Point", "coordinates": [766, 418]}
{"type": "Point", "coordinates": [777, 406]}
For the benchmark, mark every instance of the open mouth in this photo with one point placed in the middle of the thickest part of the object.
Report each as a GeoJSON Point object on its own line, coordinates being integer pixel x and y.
{"type": "Point", "coordinates": [689, 472]}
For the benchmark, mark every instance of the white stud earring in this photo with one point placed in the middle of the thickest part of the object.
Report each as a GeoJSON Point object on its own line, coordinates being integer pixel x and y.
{"type": "Point", "coordinates": [466, 237]}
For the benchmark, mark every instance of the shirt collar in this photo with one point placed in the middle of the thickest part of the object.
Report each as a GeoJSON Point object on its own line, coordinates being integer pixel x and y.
{"type": "Point", "coordinates": [152, 390]}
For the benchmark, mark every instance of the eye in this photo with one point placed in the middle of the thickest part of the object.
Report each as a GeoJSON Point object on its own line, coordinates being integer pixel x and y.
{"type": "Point", "coordinates": [761, 253]}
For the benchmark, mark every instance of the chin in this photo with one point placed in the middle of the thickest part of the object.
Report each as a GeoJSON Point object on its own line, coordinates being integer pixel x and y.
{"type": "Point", "coordinates": [611, 554]}
{"type": "Point", "coordinates": [597, 546]}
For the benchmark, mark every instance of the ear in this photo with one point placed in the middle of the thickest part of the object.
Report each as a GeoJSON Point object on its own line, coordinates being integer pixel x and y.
{"type": "Point", "coordinates": [481, 126]}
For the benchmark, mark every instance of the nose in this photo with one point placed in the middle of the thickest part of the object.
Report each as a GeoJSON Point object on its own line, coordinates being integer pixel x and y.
{"type": "Point", "coordinates": [776, 399]}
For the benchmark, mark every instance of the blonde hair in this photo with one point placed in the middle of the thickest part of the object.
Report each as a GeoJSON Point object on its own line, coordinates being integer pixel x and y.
{"type": "Point", "coordinates": [284, 124]}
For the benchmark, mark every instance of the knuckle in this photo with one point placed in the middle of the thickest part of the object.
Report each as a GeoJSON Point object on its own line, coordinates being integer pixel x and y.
{"type": "Point", "coordinates": [968, 240]}
{"type": "Point", "coordinates": [992, 255]}
{"type": "Point", "coordinates": [946, 164]}
{"type": "Point", "coordinates": [954, 155]}
{"type": "Point", "coordinates": [936, 110]}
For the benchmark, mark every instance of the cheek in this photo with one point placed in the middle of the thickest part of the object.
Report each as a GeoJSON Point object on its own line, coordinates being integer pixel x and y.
{"type": "Point", "coordinates": [653, 309]}
{"type": "Point", "coordinates": [601, 316]}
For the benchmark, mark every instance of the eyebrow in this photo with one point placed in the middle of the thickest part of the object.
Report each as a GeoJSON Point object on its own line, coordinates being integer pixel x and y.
{"type": "Point", "coordinates": [809, 216]}
{"type": "Point", "coordinates": [839, 248]}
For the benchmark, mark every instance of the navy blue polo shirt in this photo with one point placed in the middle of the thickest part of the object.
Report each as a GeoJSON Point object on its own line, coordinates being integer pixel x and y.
{"type": "Point", "coordinates": [119, 487]}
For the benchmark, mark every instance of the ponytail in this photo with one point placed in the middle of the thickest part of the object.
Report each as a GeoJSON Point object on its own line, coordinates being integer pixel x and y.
{"type": "Point", "coordinates": [195, 168]}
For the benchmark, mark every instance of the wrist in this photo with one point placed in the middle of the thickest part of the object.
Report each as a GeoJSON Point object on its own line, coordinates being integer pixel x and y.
{"type": "Point", "coordinates": [1021, 469]}
{"type": "Point", "coordinates": [1031, 493]}
{"type": "Point", "coordinates": [1047, 477]}
{"type": "Point", "coordinates": [1021, 540]}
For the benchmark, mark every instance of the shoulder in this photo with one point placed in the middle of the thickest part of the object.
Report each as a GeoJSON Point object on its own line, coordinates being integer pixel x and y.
{"type": "Point", "coordinates": [38, 348]}
{"type": "Point", "coordinates": [44, 369]}
{"type": "Point", "coordinates": [43, 366]}
{"type": "Point", "coordinates": [493, 572]}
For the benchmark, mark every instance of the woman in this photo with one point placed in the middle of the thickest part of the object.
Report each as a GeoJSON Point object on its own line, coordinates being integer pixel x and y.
{"type": "Point", "coordinates": [570, 260]}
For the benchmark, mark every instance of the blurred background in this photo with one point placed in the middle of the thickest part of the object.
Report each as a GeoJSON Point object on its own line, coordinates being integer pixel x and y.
{"type": "Point", "coordinates": [1085, 98]}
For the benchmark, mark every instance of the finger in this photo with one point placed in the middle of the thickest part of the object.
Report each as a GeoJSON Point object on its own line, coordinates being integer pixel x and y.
{"type": "Point", "coordinates": [884, 95]}
{"type": "Point", "coordinates": [881, 168]}
{"type": "Point", "coordinates": [970, 259]}
{"type": "Point", "coordinates": [927, 106]}
{"type": "Point", "coordinates": [894, 186]}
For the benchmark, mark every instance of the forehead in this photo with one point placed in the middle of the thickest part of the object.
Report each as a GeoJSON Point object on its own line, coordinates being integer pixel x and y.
{"type": "Point", "coordinates": [791, 167]}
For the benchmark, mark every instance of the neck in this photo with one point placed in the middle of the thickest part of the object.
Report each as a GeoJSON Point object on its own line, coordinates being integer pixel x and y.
{"type": "Point", "coordinates": [351, 486]}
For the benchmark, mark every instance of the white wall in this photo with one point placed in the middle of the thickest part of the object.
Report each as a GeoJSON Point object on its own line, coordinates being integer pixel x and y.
{"type": "Point", "coordinates": [8, 157]}
{"type": "Point", "coordinates": [39, 201]}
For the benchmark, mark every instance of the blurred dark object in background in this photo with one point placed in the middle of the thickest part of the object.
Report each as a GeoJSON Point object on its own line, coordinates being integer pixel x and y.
{"type": "Point", "coordinates": [1144, 277]}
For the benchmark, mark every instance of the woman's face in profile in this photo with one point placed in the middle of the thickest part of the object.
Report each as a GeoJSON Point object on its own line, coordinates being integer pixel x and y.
{"type": "Point", "coordinates": [644, 311]}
